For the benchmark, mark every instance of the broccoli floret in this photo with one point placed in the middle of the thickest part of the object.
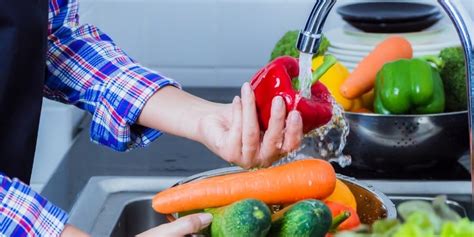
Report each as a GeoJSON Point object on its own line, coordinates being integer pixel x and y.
{"type": "Point", "coordinates": [454, 78]}
{"type": "Point", "coordinates": [287, 46]}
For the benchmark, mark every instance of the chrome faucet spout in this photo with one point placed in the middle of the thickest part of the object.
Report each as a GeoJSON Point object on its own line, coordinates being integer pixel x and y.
{"type": "Point", "coordinates": [310, 37]}
{"type": "Point", "coordinates": [465, 28]}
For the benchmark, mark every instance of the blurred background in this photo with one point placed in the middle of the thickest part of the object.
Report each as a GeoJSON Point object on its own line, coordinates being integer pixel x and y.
{"type": "Point", "coordinates": [200, 43]}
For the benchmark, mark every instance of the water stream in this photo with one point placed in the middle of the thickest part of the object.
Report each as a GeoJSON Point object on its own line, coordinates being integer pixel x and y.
{"type": "Point", "coordinates": [328, 141]}
{"type": "Point", "coordinates": [306, 74]}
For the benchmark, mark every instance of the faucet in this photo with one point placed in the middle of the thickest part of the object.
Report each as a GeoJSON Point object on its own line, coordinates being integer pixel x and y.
{"type": "Point", "coordinates": [310, 38]}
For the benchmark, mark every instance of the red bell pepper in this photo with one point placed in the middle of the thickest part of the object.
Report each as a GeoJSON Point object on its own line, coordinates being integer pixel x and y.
{"type": "Point", "coordinates": [336, 209]}
{"type": "Point", "coordinates": [276, 80]}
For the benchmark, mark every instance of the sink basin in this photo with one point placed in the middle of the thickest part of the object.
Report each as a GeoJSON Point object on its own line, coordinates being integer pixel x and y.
{"type": "Point", "coordinates": [136, 218]}
{"type": "Point", "coordinates": [121, 206]}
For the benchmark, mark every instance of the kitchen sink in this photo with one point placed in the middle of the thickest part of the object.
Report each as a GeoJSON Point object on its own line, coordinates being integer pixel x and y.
{"type": "Point", "coordinates": [121, 206]}
{"type": "Point", "coordinates": [136, 218]}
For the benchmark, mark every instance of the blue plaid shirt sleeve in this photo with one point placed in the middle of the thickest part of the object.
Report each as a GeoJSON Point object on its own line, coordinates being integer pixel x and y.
{"type": "Point", "coordinates": [25, 213]}
{"type": "Point", "coordinates": [87, 69]}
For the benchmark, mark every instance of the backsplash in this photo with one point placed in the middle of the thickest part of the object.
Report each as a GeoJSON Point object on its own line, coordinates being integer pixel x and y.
{"type": "Point", "coordinates": [199, 42]}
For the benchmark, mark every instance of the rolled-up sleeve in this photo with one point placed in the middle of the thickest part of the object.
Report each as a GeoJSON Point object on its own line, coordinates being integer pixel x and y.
{"type": "Point", "coordinates": [23, 212]}
{"type": "Point", "coordinates": [87, 69]}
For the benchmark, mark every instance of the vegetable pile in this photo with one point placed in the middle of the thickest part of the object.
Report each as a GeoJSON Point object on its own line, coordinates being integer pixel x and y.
{"type": "Point", "coordinates": [389, 80]}
{"type": "Point", "coordinates": [300, 199]}
{"type": "Point", "coordinates": [305, 197]}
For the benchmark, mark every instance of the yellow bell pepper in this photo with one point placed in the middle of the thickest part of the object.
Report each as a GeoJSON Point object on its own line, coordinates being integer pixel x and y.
{"type": "Point", "coordinates": [333, 80]}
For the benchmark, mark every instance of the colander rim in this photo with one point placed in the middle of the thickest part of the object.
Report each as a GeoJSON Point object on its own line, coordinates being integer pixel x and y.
{"type": "Point", "coordinates": [405, 115]}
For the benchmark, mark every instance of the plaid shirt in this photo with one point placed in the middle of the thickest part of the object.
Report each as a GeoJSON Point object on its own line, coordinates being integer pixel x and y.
{"type": "Point", "coordinates": [25, 213]}
{"type": "Point", "coordinates": [86, 69]}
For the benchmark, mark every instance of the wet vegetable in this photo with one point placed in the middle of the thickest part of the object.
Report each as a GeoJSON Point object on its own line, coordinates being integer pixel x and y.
{"type": "Point", "coordinates": [279, 78]}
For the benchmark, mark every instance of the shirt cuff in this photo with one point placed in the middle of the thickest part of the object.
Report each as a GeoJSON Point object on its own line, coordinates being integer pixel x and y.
{"type": "Point", "coordinates": [23, 212]}
{"type": "Point", "coordinates": [114, 121]}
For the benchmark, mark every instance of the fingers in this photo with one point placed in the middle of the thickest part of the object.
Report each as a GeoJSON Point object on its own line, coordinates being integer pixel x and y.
{"type": "Point", "coordinates": [273, 139]}
{"type": "Point", "coordinates": [243, 144]}
{"type": "Point", "coordinates": [250, 126]}
{"type": "Point", "coordinates": [235, 135]}
{"type": "Point", "coordinates": [294, 132]}
{"type": "Point", "coordinates": [182, 226]}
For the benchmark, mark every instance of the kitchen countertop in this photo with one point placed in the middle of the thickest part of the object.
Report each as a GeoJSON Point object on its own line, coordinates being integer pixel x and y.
{"type": "Point", "coordinates": [168, 156]}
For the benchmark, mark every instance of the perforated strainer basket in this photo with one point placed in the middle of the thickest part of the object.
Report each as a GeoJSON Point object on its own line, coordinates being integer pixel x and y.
{"type": "Point", "coordinates": [391, 142]}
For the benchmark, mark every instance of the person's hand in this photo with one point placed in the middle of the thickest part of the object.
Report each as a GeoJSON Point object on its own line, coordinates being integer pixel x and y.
{"type": "Point", "coordinates": [181, 227]}
{"type": "Point", "coordinates": [230, 130]}
{"type": "Point", "coordinates": [233, 132]}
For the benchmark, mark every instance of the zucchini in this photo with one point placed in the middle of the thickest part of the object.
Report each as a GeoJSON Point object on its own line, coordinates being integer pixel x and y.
{"type": "Point", "coordinates": [307, 218]}
{"type": "Point", "coordinates": [246, 218]}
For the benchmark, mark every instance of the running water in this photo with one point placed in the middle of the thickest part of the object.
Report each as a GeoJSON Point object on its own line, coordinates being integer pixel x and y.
{"type": "Point", "coordinates": [306, 75]}
{"type": "Point", "coordinates": [328, 141]}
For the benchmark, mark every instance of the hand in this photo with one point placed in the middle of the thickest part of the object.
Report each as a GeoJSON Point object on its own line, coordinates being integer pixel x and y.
{"type": "Point", "coordinates": [181, 227]}
{"type": "Point", "coordinates": [230, 130]}
{"type": "Point", "coordinates": [233, 132]}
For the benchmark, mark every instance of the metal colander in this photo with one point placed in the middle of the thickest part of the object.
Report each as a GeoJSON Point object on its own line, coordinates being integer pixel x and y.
{"type": "Point", "coordinates": [391, 142]}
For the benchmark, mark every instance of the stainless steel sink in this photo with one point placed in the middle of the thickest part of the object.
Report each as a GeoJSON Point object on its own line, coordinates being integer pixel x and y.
{"type": "Point", "coordinates": [121, 206]}
{"type": "Point", "coordinates": [118, 206]}
{"type": "Point", "coordinates": [136, 218]}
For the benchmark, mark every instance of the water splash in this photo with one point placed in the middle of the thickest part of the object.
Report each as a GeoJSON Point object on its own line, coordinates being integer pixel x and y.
{"type": "Point", "coordinates": [326, 142]}
{"type": "Point", "coordinates": [306, 74]}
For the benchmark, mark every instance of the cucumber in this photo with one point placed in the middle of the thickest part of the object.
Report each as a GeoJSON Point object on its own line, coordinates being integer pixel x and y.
{"type": "Point", "coordinates": [246, 218]}
{"type": "Point", "coordinates": [307, 218]}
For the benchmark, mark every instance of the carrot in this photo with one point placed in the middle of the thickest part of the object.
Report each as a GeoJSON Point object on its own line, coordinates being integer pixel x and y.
{"type": "Point", "coordinates": [289, 183]}
{"type": "Point", "coordinates": [362, 79]}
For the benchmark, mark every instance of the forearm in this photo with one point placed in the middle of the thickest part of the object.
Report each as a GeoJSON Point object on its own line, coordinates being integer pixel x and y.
{"type": "Point", "coordinates": [176, 112]}
{"type": "Point", "coordinates": [87, 69]}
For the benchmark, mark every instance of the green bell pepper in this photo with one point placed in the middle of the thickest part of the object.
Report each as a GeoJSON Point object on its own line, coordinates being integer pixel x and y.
{"type": "Point", "coordinates": [409, 86]}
